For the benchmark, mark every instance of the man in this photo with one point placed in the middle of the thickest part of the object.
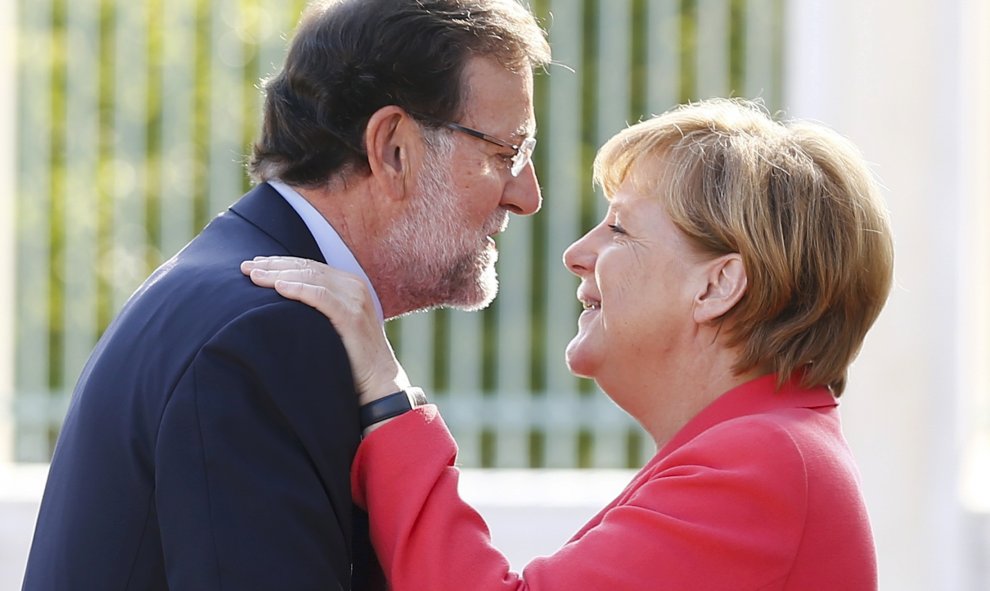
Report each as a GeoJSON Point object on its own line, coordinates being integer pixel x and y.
{"type": "Point", "coordinates": [209, 439]}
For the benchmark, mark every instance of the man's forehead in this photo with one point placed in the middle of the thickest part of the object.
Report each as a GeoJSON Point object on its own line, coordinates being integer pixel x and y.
{"type": "Point", "coordinates": [498, 96]}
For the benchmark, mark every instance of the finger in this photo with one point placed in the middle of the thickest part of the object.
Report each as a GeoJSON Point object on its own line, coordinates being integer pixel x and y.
{"type": "Point", "coordinates": [298, 269]}
{"type": "Point", "coordinates": [266, 264]}
{"type": "Point", "coordinates": [339, 295]}
{"type": "Point", "coordinates": [281, 261]}
{"type": "Point", "coordinates": [316, 296]}
{"type": "Point", "coordinates": [265, 278]}
{"type": "Point", "coordinates": [278, 263]}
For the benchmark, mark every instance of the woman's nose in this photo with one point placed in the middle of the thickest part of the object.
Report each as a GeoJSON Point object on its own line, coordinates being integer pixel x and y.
{"type": "Point", "coordinates": [579, 257]}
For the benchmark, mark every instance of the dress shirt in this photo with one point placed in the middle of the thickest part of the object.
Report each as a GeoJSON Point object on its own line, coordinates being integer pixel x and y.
{"type": "Point", "coordinates": [331, 245]}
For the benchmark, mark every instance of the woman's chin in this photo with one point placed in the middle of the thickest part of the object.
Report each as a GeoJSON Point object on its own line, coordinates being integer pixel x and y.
{"type": "Point", "coordinates": [578, 358]}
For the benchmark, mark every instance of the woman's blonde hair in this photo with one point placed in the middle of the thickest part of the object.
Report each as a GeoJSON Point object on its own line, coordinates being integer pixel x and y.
{"type": "Point", "coordinates": [796, 200]}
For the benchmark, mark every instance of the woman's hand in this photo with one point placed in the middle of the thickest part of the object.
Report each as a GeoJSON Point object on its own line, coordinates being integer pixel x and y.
{"type": "Point", "coordinates": [344, 299]}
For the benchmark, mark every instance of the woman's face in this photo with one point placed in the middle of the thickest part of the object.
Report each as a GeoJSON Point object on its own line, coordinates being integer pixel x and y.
{"type": "Point", "coordinates": [640, 278]}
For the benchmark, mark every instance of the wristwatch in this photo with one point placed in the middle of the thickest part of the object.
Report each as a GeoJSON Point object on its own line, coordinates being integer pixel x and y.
{"type": "Point", "coordinates": [392, 405]}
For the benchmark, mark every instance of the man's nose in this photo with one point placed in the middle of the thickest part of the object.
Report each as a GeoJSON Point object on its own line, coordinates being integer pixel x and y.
{"type": "Point", "coordinates": [522, 193]}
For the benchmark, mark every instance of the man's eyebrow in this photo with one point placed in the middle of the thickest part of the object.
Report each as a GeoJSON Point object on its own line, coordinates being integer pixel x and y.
{"type": "Point", "coordinates": [523, 131]}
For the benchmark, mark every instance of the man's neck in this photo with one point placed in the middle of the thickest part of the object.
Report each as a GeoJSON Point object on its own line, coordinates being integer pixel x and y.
{"type": "Point", "coordinates": [361, 219]}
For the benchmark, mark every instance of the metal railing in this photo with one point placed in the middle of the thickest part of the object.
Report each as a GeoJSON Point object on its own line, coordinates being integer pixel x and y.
{"type": "Point", "coordinates": [133, 122]}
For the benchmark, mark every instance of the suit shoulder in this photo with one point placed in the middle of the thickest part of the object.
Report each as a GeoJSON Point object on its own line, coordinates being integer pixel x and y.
{"type": "Point", "coordinates": [281, 336]}
{"type": "Point", "coordinates": [282, 319]}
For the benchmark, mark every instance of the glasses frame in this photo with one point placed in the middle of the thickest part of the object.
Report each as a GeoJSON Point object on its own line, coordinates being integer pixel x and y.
{"type": "Point", "coordinates": [523, 150]}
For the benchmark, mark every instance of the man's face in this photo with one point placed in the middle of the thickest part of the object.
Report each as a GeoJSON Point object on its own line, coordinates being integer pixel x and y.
{"type": "Point", "coordinates": [443, 249]}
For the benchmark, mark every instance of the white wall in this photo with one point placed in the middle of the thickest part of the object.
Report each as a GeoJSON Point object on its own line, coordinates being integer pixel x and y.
{"type": "Point", "coordinates": [899, 78]}
{"type": "Point", "coordinates": [530, 512]}
{"type": "Point", "coordinates": [8, 17]}
{"type": "Point", "coordinates": [533, 512]}
{"type": "Point", "coordinates": [974, 167]}
{"type": "Point", "coordinates": [21, 486]}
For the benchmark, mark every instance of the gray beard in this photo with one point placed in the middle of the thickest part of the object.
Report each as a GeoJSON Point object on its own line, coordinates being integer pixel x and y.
{"type": "Point", "coordinates": [428, 257]}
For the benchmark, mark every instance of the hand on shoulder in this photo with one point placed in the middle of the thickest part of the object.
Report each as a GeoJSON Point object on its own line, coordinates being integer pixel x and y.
{"type": "Point", "coordinates": [344, 299]}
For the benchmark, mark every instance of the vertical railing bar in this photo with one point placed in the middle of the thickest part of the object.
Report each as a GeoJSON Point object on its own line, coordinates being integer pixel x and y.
{"type": "Point", "coordinates": [416, 347]}
{"type": "Point", "coordinates": [664, 66]}
{"type": "Point", "coordinates": [154, 153]}
{"type": "Point", "coordinates": [56, 221]}
{"type": "Point", "coordinates": [227, 54]}
{"type": "Point", "coordinates": [200, 130]}
{"type": "Point", "coordinates": [9, 55]}
{"type": "Point", "coordinates": [614, 99]}
{"type": "Point", "coordinates": [712, 34]}
{"type": "Point", "coordinates": [759, 48]}
{"type": "Point", "coordinates": [33, 205]}
{"type": "Point", "coordinates": [277, 23]}
{"type": "Point", "coordinates": [130, 116]}
{"type": "Point", "coordinates": [563, 223]}
{"type": "Point", "coordinates": [248, 30]}
{"type": "Point", "coordinates": [79, 305]}
{"type": "Point", "coordinates": [514, 351]}
{"type": "Point", "coordinates": [178, 78]}
{"type": "Point", "coordinates": [664, 41]}
{"type": "Point", "coordinates": [464, 360]}
{"type": "Point", "coordinates": [106, 82]}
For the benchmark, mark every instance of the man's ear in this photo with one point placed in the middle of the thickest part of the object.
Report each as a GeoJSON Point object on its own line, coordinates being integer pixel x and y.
{"type": "Point", "coordinates": [389, 137]}
{"type": "Point", "coordinates": [726, 284]}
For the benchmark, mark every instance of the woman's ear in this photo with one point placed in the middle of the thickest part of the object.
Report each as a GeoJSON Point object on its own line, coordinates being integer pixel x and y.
{"type": "Point", "coordinates": [726, 285]}
{"type": "Point", "coordinates": [389, 137]}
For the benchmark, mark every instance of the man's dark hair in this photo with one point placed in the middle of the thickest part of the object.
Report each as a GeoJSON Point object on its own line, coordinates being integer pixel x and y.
{"type": "Point", "coordinates": [350, 58]}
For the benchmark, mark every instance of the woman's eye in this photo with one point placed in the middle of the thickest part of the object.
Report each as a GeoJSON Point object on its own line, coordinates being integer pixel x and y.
{"type": "Point", "coordinates": [616, 229]}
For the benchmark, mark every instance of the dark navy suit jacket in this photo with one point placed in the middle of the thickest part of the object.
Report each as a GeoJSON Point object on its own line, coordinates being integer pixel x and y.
{"type": "Point", "coordinates": [209, 440]}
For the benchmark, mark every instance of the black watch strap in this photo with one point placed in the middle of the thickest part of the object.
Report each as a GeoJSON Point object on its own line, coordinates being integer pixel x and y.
{"type": "Point", "coordinates": [392, 405]}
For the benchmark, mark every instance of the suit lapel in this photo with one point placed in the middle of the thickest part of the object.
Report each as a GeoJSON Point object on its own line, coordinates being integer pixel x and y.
{"type": "Point", "coordinates": [266, 209]}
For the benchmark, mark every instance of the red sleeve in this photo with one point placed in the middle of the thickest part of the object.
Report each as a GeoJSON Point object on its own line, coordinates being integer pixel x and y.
{"type": "Point", "coordinates": [723, 513]}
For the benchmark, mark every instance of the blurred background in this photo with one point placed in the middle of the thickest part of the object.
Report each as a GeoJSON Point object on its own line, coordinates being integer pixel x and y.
{"type": "Point", "coordinates": [124, 127]}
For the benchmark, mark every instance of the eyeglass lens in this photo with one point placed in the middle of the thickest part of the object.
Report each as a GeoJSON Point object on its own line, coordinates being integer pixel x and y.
{"type": "Point", "coordinates": [524, 153]}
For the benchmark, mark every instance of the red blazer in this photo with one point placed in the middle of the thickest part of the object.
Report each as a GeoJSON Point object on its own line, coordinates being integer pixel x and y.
{"type": "Point", "coordinates": [759, 491]}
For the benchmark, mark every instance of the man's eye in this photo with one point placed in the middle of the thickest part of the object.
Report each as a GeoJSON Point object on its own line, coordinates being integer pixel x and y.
{"type": "Point", "coordinates": [616, 229]}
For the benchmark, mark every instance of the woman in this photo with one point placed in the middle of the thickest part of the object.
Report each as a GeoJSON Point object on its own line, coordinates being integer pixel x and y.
{"type": "Point", "coordinates": [728, 288]}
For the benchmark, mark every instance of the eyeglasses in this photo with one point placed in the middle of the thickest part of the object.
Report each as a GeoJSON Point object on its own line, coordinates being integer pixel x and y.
{"type": "Point", "coordinates": [523, 151]}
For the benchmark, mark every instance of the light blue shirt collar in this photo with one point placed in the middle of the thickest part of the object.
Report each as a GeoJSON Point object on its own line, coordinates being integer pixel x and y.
{"type": "Point", "coordinates": [333, 248]}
